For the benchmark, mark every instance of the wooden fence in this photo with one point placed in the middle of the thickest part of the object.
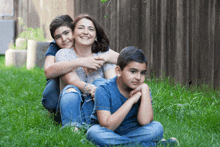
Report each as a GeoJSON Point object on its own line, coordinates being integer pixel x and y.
{"type": "Point", "coordinates": [181, 38]}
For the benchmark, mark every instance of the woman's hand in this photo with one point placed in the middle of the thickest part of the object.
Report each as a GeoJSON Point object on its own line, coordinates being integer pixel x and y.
{"type": "Point", "coordinates": [90, 89]}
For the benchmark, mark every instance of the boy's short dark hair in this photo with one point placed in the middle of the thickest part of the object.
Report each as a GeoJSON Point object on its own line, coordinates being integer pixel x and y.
{"type": "Point", "coordinates": [62, 20]}
{"type": "Point", "coordinates": [130, 54]}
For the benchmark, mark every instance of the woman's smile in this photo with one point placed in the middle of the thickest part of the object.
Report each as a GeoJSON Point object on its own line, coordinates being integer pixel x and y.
{"type": "Point", "coordinates": [84, 32]}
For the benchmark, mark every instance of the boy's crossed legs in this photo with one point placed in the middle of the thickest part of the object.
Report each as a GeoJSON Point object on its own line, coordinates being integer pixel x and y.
{"type": "Point", "coordinates": [146, 135]}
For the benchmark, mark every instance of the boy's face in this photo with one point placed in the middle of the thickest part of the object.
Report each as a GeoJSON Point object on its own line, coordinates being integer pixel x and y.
{"type": "Point", "coordinates": [133, 75]}
{"type": "Point", "coordinates": [64, 37]}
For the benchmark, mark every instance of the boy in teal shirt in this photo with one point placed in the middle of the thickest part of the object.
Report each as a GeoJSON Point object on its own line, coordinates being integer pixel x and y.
{"type": "Point", "coordinates": [123, 113]}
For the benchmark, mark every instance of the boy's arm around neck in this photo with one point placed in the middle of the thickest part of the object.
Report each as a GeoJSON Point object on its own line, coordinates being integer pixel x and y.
{"type": "Point", "coordinates": [55, 69]}
{"type": "Point", "coordinates": [59, 65]}
{"type": "Point", "coordinates": [112, 57]}
{"type": "Point", "coordinates": [52, 69]}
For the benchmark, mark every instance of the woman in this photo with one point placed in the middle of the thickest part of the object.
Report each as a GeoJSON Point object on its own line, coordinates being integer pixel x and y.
{"type": "Point", "coordinates": [90, 40]}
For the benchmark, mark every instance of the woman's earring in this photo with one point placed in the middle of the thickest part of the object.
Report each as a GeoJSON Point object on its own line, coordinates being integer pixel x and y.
{"type": "Point", "coordinates": [95, 39]}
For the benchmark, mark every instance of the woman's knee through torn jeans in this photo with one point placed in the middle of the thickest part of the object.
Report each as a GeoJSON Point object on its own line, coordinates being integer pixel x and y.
{"type": "Point", "coordinates": [74, 110]}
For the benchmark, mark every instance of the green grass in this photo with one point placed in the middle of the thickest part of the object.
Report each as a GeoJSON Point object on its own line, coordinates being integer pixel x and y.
{"type": "Point", "coordinates": [191, 115]}
{"type": "Point", "coordinates": [23, 119]}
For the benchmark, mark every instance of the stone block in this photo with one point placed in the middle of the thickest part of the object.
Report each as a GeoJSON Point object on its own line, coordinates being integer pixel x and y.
{"type": "Point", "coordinates": [15, 57]}
{"type": "Point", "coordinates": [36, 53]}
{"type": "Point", "coordinates": [20, 43]}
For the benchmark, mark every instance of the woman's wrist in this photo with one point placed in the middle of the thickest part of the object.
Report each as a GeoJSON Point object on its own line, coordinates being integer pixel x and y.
{"type": "Point", "coordinates": [88, 87]}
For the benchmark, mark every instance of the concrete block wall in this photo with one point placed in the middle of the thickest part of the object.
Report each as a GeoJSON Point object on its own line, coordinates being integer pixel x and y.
{"type": "Point", "coordinates": [7, 34]}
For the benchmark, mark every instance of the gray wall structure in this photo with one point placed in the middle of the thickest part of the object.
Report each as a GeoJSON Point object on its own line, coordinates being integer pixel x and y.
{"type": "Point", "coordinates": [7, 34]}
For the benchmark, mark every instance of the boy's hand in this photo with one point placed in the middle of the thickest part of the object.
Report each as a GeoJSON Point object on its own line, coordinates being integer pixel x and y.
{"type": "Point", "coordinates": [143, 87]}
{"type": "Point", "coordinates": [134, 98]}
{"type": "Point", "coordinates": [103, 57]}
{"type": "Point", "coordinates": [93, 63]}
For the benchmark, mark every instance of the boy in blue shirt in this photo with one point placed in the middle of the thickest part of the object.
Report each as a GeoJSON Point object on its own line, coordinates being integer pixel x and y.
{"type": "Point", "coordinates": [61, 32]}
{"type": "Point", "coordinates": [123, 113]}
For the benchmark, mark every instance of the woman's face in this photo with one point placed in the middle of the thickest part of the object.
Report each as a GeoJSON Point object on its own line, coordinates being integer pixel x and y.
{"type": "Point", "coordinates": [84, 32]}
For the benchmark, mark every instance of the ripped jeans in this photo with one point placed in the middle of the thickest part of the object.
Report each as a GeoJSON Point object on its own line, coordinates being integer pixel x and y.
{"type": "Point", "coordinates": [73, 109]}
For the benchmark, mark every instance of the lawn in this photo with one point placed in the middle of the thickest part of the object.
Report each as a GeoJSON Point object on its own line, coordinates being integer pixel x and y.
{"type": "Point", "coordinates": [191, 115]}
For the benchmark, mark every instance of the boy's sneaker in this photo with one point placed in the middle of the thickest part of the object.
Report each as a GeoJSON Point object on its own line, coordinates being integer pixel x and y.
{"type": "Point", "coordinates": [170, 142]}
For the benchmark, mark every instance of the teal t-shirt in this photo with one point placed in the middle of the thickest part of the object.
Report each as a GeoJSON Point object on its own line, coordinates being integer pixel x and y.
{"type": "Point", "coordinates": [108, 97]}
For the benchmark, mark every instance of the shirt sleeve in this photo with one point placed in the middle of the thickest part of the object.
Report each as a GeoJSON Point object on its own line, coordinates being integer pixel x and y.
{"type": "Point", "coordinates": [108, 66]}
{"type": "Point", "coordinates": [102, 98]}
{"type": "Point", "coordinates": [65, 55]}
{"type": "Point", "coordinates": [52, 50]}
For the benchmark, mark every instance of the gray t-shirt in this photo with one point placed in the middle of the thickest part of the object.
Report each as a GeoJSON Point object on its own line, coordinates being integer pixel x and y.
{"type": "Point", "coordinates": [69, 54]}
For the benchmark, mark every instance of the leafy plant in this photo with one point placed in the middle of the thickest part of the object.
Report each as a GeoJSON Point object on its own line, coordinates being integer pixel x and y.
{"type": "Point", "coordinates": [33, 34]}
{"type": "Point", "coordinates": [23, 46]}
{"type": "Point", "coordinates": [36, 34]}
{"type": "Point", "coordinates": [103, 1]}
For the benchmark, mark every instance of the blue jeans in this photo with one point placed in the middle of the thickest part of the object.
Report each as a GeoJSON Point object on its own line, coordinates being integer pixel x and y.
{"type": "Point", "coordinates": [147, 135]}
{"type": "Point", "coordinates": [74, 110]}
{"type": "Point", "coordinates": [51, 95]}
{"type": "Point", "coordinates": [50, 98]}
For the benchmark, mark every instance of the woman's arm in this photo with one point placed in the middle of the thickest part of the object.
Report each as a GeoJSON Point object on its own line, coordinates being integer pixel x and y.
{"type": "Point", "coordinates": [72, 78]}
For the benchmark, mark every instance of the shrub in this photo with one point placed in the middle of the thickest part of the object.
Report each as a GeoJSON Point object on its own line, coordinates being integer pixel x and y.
{"type": "Point", "coordinates": [36, 34]}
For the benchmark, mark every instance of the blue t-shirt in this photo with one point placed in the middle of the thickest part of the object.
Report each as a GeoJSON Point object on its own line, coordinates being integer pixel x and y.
{"type": "Point", "coordinates": [108, 97]}
{"type": "Point", "coordinates": [53, 48]}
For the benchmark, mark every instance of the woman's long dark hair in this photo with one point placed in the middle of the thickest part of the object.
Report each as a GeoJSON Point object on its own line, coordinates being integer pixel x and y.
{"type": "Point", "coordinates": [102, 42]}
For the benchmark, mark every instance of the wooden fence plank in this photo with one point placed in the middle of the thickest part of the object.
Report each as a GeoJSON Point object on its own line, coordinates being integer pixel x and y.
{"type": "Point", "coordinates": [216, 47]}
{"type": "Point", "coordinates": [163, 37]}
